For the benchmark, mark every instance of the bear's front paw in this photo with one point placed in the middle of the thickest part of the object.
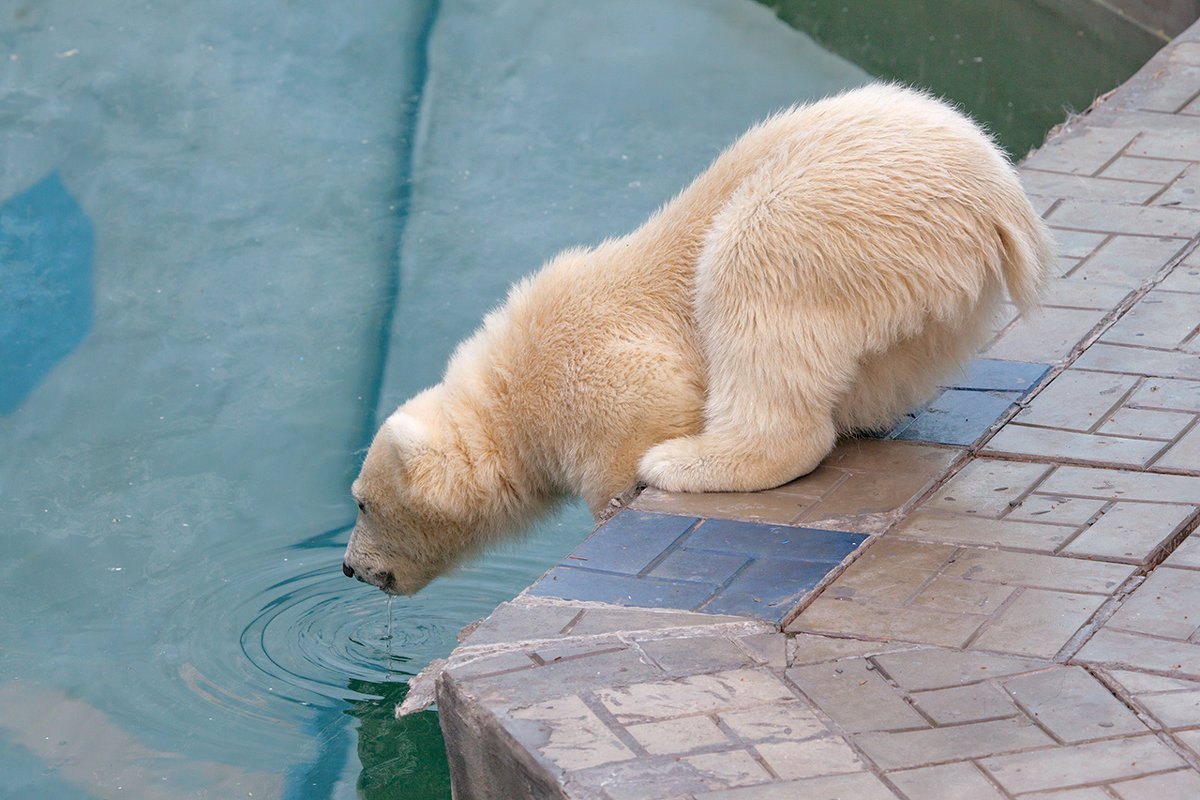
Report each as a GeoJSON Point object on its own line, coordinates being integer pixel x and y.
{"type": "Point", "coordinates": [676, 465]}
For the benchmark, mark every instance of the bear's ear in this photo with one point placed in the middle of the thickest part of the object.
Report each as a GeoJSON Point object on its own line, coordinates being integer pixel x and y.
{"type": "Point", "coordinates": [409, 435]}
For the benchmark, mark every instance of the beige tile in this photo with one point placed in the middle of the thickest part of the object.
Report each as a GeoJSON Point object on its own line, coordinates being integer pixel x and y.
{"type": "Point", "coordinates": [855, 697]}
{"type": "Point", "coordinates": [1130, 531]}
{"type": "Point", "coordinates": [695, 694]}
{"type": "Point", "coordinates": [1049, 508]}
{"type": "Point", "coordinates": [575, 738]}
{"type": "Point", "coordinates": [1085, 793]}
{"type": "Point", "coordinates": [815, 483]}
{"type": "Point", "coordinates": [1142, 683]}
{"type": "Point", "coordinates": [677, 735]}
{"type": "Point", "coordinates": [1168, 393]}
{"type": "Point", "coordinates": [962, 529]}
{"type": "Point", "coordinates": [729, 768]}
{"type": "Point", "coordinates": [1187, 554]}
{"type": "Point", "coordinates": [959, 704]}
{"type": "Point", "coordinates": [768, 506]}
{"type": "Point", "coordinates": [807, 648]}
{"type": "Point", "coordinates": [1147, 424]}
{"type": "Point", "coordinates": [884, 455]}
{"type": "Point", "coordinates": [869, 493]}
{"type": "Point", "coordinates": [1110, 484]}
{"type": "Point", "coordinates": [1073, 705]}
{"type": "Point", "coordinates": [1137, 651]}
{"type": "Point", "coordinates": [933, 668]}
{"type": "Point", "coordinates": [1039, 623]}
{"type": "Point", "coordinates": [915, 748]}
{"type": "Point", "coordinates": [825, 755]}
{"type": "Point", "coordinates": [786, 721]}
{"type": "Point", "coordinates": [858, 785]}
{"type": "Point", "coordinates": [827, 615]}
{"type": "Point", "coordinates": [1184, 454]}
{"type": "Point", "coordinates": [1167, 604]}
{"type": "Point", "coordinates": [1076, 400]}
{"type": "Point", "coordinates": [986, 487]}
{"type": "Point", "coordinates": [1056, 767]}
{"type": "Point", "coordinates": [954, 594]}
{"type": "Point", "coordinates": [1048, 334]}
{"type": "Point", "coordinates": [1182, 784]}
{"type": "Point", "coordinates": [1174, 709]}
{"type": "Point", "coordinates": [945, 782]}
{"type": "Point", "coordinates": [1159, 319]}
{"type": "Point", "coordinates": [1033, 569]}
{"type": "Point", "coordinates": [1054, 443]}
{"type": "Point", "coordinates": [890, 571]}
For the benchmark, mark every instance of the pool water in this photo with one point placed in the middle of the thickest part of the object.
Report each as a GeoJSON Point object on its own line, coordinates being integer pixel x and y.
{"type": "Point", "coordinates": [233, 237]}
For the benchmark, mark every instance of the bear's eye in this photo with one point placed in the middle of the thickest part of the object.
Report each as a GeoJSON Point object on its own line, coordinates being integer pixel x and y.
{"type": "Point", "coordinates": [362, 509]}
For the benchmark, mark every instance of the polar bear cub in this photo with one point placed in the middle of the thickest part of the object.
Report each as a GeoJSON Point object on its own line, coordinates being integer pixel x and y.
{"type": "Point", "coordinates": [819, 278]}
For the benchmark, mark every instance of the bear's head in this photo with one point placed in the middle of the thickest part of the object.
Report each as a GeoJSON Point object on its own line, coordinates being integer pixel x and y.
{"type": "Point", "coordinates": [428, 495]}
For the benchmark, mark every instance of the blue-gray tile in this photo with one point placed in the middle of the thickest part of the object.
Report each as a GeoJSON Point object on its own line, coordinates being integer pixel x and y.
{"type": "Point", "coordinates": [776, 541]}
{"type": "Point", "coordinates": [686, 564]}
{"type": "Point", "coordinates": [768, 588]}
{"type": "Point", "coordinates": [957, 416]}
{"type": "Point", "coordinates": [630, 541]}
{"type": "Point", "coordinates": [570, 583]}
{"type": "Point", "coordinates": [990, 374]}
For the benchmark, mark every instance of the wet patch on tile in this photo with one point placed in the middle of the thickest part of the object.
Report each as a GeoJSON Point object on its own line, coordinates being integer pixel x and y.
{"type": "Point", "coordinates": [710, 565]}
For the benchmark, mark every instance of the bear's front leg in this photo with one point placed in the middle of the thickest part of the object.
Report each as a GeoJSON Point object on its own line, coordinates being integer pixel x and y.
{"type": "Point", "coordinates": [737, 461]}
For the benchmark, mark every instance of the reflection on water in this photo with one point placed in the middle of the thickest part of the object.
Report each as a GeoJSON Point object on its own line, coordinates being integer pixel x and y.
{"type": "Point", "coordinates": [282, 216]}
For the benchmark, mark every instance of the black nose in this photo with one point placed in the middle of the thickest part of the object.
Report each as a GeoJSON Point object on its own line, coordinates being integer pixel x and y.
{"type": "Point", "coordinates": [347, 570]}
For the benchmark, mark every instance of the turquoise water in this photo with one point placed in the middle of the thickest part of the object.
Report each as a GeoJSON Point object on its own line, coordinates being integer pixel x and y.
{"type": "Point", "coordinates": [232, 238]}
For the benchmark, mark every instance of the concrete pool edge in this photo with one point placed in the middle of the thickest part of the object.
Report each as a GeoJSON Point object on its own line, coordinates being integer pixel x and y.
{"type": "Point", "coordinates": [995, 577]}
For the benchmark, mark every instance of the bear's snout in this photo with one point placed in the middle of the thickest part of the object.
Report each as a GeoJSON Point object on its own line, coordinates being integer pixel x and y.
{"type": "Point", "coordinates": [347, 570]}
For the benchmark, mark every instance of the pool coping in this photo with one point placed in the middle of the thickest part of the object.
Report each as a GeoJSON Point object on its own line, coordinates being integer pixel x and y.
{"type": "Point", "coordinates": [981, 625]}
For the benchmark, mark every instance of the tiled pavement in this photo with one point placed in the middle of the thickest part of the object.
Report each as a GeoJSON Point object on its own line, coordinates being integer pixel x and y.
{"type": "Point", "coordinates": [1001, 599]}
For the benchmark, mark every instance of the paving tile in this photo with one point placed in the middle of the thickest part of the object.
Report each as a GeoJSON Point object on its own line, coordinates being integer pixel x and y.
{"type": "Point", "coordinates": [1136, 651]}
{"type": "Point", "coordinates": [1184, 192]}
{"type": "Point", "coordinates": [1080, 150]}
{"type": "Point", "coordinates": [1057, 184]}
{"type": "Point", "coordinates": [1184, 454]}
{"type": "Point", "coordinates": [1187, 554]}
{"type": "Point", "coordinates": [889, 571]}
{"type": "Point", "coordinates": [1085, 793]}
{"type": "Point", "coordinates": [768, 506]}
{"type": "Point", "coordinates": [697, 694]}
{"type": "Point", "coordinates": [1144, 683]}
{"type": "Point", "coordinates": [570, 583]}
{"type": "Point", "coordinates": [677, 735]}
{"type": "Point", "coordinates": [1130, 531]}
{"type": "Point", "coordinates": [932, 668]}
{"type": "Point", "coordinates": [568, 733]}
{"type": "Point", "coordinates": [897, 750]}
{"type": "Point", "coordinates": [1049, 334]}
{"type": "Point", "coordinates": [629, 541]}
{"type": "Point", "coordinates": [632, 620]}
{"type": "Point", "coordinates": [703, 566]}
{"type": "Point", "coordinates": [958, 704]}
{"type": "Point", "coordinates": [1189, 739]}
{"type": "Point", "coordinates": [769, 588]}
{"type": "Point", "coordinates": [1185, 277]}
{"type": "Point", "coordinates": [1078, 244]}
{"type": "Point", "coordinates": [1112, 484]}
{"type": "Point", "coordinates": [855, 696]}
{"type": "Point", "coordinates": [1081, 764]}
{"type": "Point", "coordinates": [986, 487]}
{"type": "Point", "coordinates": [1051, 443]}
{"type": "Point", "coordinates": [821, 479]}
{"type": "Point", "coordinates": [1039, 623]}
{"type": "Point", "coordinates": [1129, 260]}
{"type": "Point", "coordinates": [732, 768]}
{"type": "Point", "coordinates": [696, 654]}
{"type": "Point", "coordinates": [956, 417]}
{"type": "Point", "coordinates": [924, 626]}
{"type": "Point", "coordinates": [952, 594]}
{"type": "Point", "coordinates": [1165, 425]}
{"type": "Point", "coordinates": [1181, 784]}
{"type": "Point", "coordinates": [962, 529]}
{"type": "Point", "coordinates": [1170, 144]}
{"type": "Point", "coordinates": [807, 648]}
{"type": "Point", "coordinates": [960, 781]}
{"type": "Point", "coordinates": [826, 755]}
{"type": "Point", "coordinates": [600, 670]}
{"type": "Point", "coordinates": [1167, 604]}
{"type": "Point", "coordinates": [990, 374]}
{"type": "Point", "coordinates": [860, 786]}
{"type": "Point", "coordinates": [1140, 168]}
{"type": "Point", "coordinates": [1079, 292]}
{"type": "Point", "coordinates": [1093, 215]}
{"type": "Point", "coordinates": [1073, 706]}
{"type": "Point", "coordinates": [1077, 400]}
{"type": "Point", "coordinates": [1056, 509]}
{"type": "Point", "coordinates": [1167, 393]}
{"type": "Point", "coordinates": [513, 622]}
{"type": "Point", "coordinates": [780, 722]}
{"type": "Point", "coordinates": [1159, 319]}
{"type": "Point", "coordinates": [773, 541]}
{"type": "Point", "coordinates": [1106, 357]}
{"type": "Point", "coordinates": [1174, 709]}
{"type": "Point", "coordinates": [1032, 569]}
{"type": "Point", "coordinates": [766, 648]}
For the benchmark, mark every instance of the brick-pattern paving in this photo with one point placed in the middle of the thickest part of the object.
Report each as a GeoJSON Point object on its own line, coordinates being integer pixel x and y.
{"type": "Point", "coordinates": [1022, 619]}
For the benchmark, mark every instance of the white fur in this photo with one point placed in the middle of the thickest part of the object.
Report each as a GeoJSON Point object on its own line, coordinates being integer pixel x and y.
{"type": "Point", "coordinates": [820, 277]}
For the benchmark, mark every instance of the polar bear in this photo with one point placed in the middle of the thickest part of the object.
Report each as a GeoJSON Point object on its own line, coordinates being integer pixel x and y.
{"type": "Point", "coordinates": [819, 278]}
